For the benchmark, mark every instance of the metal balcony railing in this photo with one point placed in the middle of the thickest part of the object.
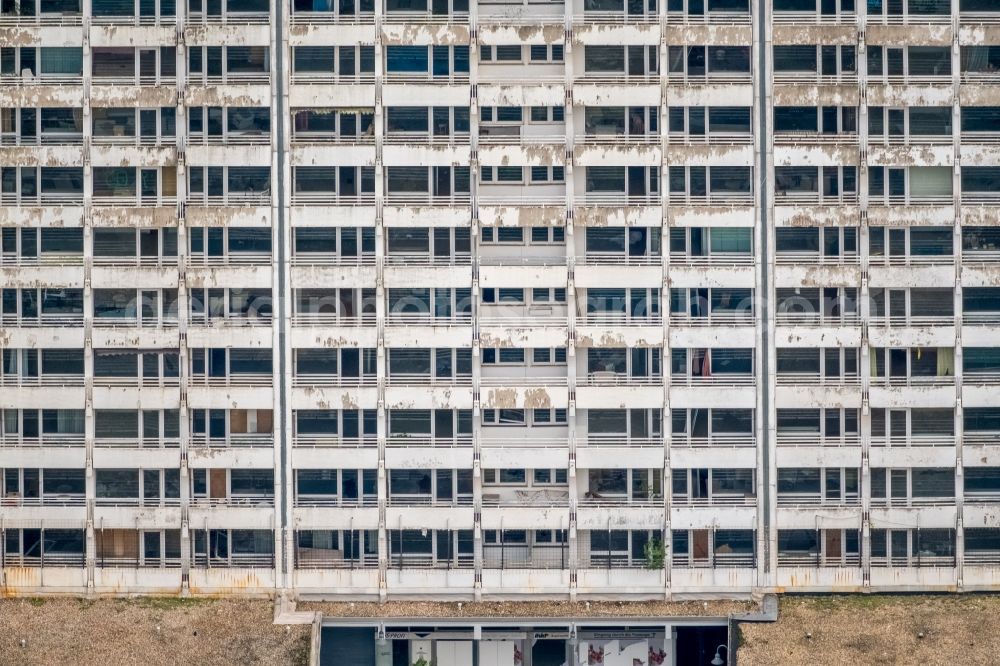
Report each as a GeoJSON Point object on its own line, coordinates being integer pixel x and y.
{"type": "Point", "coordinates": [719, 318]}
{"type": "Point", "coordinates": [816, 259]}
{"type": "Point", "coordinates": [324, 558]}
{"type": "Point", "coordinates": [796, 559]}
{"type": "Point", "coordinates": [710, 139]}
{"type": "Point", "coordinates": [246, 440]}
{"type": "Point", "coordinates": [618, 379]}
{"type": "Point", "coordinates": [137, 443]}
{"type": "Point", "coordinates": [816, 379]}
{"type": "Point", "coordinates": [60, 440]}
{"type": "Point", "coordinates": [403, 440]}
{"type": "Point", "coordinates": [720, 441]}
{"type": "Point", "coordinates": [40, 20]}
{"type": "Point", "coordinates": [232, 259]}
{"type": "Point", "coordinates": [426, 379]}
{"type": "Point", "coordinates": [233, 379]}
{"type": "Point", "coordinates": [813, 18]}
{"type": "Point", "coordinates": [300, 18]}
{"type": "Point", "coordinates": [816, 439]}
{"type": "Point", "coordinates": [711, 199]}
{"type": "Point", "coordinates": [316, 379]}
{"type": "Point", "coordinates": [717, 499]}
{"type": "Point", "coordinates": [713, 561]}
{"type": "Point", "coordinates": [332, 319]}
{"type": "Point", "coordinates": [723, 379]}
{"type": "Point", "coordinates": [429, 501]}
{"type": "Point", "coordinates": [817, 499]}
{"type": "Point", "coordinates": [906, 441]}
{"type": "Point", "coordinates": [333, 441]}
{"type": "Point", "coordinates": [233, 561]}
{"type": "Point", "coordinates": [48, 380]}
{"type": "Point", "coordinates": [814, 139]}
{"type": "Point", "coordinates": [335, 501]}
{"type": "Point", "coordinates": [622, 440]}
{"type": "Point", "coordinates": [227, 18]}
{"type": "Point", "coordinates": [45, 139]}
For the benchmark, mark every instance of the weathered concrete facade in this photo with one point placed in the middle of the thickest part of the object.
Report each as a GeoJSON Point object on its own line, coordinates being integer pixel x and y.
{"type": "Point", "coordinates": [494, 300]}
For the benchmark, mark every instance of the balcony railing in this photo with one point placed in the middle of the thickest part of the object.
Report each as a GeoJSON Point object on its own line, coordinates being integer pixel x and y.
{"type": "Point", "coordinates": [133, 20]}
{"type": "Point", "coordinates": [623, 440]}
{"type": "Point", "coordinates": [230, 259]}
{"type": "Point", "coordinates": [333, 441]}
{"type": "Point", "coordinates": [408, 260]}
{"type": "Point", "coordinates": [332, 199]}
{"type": "Point", "coordinates": [47, 259]}
{"type": "Point", "coordinates": [720, 441]}
{"type": "Point", "coordinates": [913, 440]}
{"type": "Point", "coordinates": [816, 259]}
{"type": "Point", "coordinates": [711, 199]}
{"type": "Point", "coordinates": [402, 440]}
{"type": "Point", "coordinates": [816, 78]}
{"type": "Point", "coordinates": [47, 499]}
{"type": "Point", "coordinates": [335, 501]}
{"type": "Point", "coordinates": [816, 439]}
{"type": "Point", "coordinates": [135, 261]}
{"type": "Point", "coordinates": [813, 18]}
{"type": "Point", "coordinates": [713, 561]}
{"type": "Point", "coordinates": [800, 198]}
{"type": "Point", "coordinates": [67, 19]}
{"type": "Point", "coordinates": [618, 259]}
{"type": "Point", "coordinates": [45, 139]}
{"type": "Point", "coordinates": [332, 319]}
{"type": "Point", "coordinates": [616, 379]}
{"type": "Point", "coordinates": [618, 319]}
{"type": "Point", "coordinates": [725, 379]}
{"type": "Point", "coordinates": [428, 561]}
{"type": "Point", "coordinates": [814, 138]}
{"type": "Point", "coordinates": [300, 18]}
{"type": "Point", "coordinates": [817, 319]}
{"type": "Point", "coordinates": [50, 380]}
{"type": "Point", "coordinates": [246, 440]}
{"type": "Point", "coordinates": [796, 559]}
{"type": "Point", "coordinates": [916, 561]}
{"type": "Point", "coordinates": [324, 558]}
{"type": "Point", "coordinates": [145, 502]}
{"type": "Point", "coordinates": [306, 379]}
{"type": "Point", "coordinates": [595, 500]}
{"type": "Point", "coordinates": [60, 440]}
{"type": "Point", "coordinates": [723, 318]}
{"type": "Point", "coordinates": [233, 561]}
{"type": "Point", "coordinates": [228, 18]}
{"type": "Point", "coordinates": [717, 499]}
{"type": "Point", "coordinates": [135, 80]}
{"type": "Point", "coordinates": [240, 199]}
{"type": "Point", "coordinates": [302, 137]}
{"type": "Point", "coordinates": [817, 499]}
{"type": "Point", "coordinates": [50, 560]}
{"type": "Point", "coordinates": [725, 259]}
{"type": "Point", "coordinates": [425, 379]}
{"type": "Point", "coordinates": [429, 501]}
{"type": "Point", "coordinates": [42, 321]}
{"type": "Point", "coordinates": [137, 443]}
{"type": "Point", "coordinates": [234, 379]}
{"type": "Point", "coordinates": [230, 320]}
{"type": "Point", "coordinates": [524, 380]}
{"type": "Point", "coordinates": [616, 18]}
{"type": "Point", "coordinates": [522, 556]}
{"type": "Point", "coordinates": [329, 259]}
{"type": "Point", "coordinates": [816, 379]}
{"type": "Point", "coordinates": [710, 139]}
{"type": "Point", "coordinates": [914, 321]}
{"type": "Point", "coordinates": [244, 500]}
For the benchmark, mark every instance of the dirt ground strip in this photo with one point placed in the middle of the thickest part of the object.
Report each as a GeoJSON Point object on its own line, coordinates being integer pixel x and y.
{"type": "Point", "coordinates": [147, 632]}
{"type": "Point", "coordinates": [540, 609]}
{"type": "Point", "coordinates": [886, 630]}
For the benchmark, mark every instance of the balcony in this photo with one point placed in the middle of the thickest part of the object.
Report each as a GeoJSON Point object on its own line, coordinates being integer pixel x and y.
{"type": "Point", "coordinates": [335, 441]}
{"type": "Point", "coordinates": [137, 443]}
{"type": "Point", "coordinates": [809, 439]}
{"type": "Point", "coordinates": [247, 440]}
{"type": "Point", "coordinates": [60, 440]}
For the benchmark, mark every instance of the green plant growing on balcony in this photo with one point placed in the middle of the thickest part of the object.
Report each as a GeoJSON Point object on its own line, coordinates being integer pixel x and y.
{"type": "Point", "coordinates": [421, 662]}
{"type": "Point", "coordinates": [655, 553]}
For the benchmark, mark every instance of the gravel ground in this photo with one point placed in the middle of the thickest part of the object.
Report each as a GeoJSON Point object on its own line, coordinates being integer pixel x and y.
{"type": "Point", "coordinates": [147, 632]}
{"type": "Point", "coordinates": [877, 629]}
{"type": "Point", "coordinates": [530, 609]}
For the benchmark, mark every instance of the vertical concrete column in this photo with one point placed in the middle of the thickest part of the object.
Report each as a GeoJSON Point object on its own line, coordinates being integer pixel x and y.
{"type": "Point", "coordinates": [88, 304]}
{"type": "Point", "coordinates": [864, 307]}
{"type": "Point", "coordinates": [281, 293]}
{"type": "Point", "coordinates": [956, 134]}
{"type": "Point", "coordinates": [380, 301]}
{"type": "Point", "coordinates": [476, 248]}
{"type": "Point", "coordinates": [764, 318]}
{"type": "Point", "coordinates": [571, 296]}
{"type": "Point", "coordinates": [183, 304]}
{"type": "Point", "coordinates": [665, 421]}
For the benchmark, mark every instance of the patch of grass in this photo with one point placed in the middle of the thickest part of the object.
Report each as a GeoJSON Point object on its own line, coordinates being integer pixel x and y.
{"type": "Point", "coordinates": [36, 602]}
{"type": "Point", "coordinates": [169, 603]}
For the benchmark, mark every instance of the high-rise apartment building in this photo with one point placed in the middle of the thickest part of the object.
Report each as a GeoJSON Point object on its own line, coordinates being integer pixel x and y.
{"type": "Point", "coordinates": [587, 298]}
